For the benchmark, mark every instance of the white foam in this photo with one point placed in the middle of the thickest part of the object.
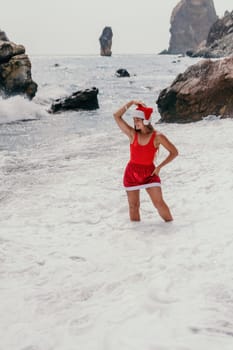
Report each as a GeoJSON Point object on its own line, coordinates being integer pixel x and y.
{"type": "Point", "coordinates": [77, 274]}
{"type": "Point", "coordinates": [19, 108]}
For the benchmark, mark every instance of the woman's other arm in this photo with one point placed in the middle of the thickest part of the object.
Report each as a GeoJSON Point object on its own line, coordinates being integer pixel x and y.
{"type": "Point", "coordinates": [170, 147]}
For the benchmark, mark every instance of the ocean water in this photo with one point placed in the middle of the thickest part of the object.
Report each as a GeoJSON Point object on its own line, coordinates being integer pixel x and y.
{"type": "Point", "coordinates": [75, 273]}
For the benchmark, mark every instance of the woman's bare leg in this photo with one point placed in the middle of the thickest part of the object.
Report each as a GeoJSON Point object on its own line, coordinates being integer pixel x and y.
{"type": "Point", "coordinates": [156, 196]}
{"type": "Point", "coordinates": [134, 205]}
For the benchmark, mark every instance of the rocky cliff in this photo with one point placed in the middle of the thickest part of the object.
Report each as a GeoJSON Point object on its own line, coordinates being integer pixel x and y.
{"type": "Point", "coordinates": [190, 24]}
{"type": "Point", "coordinates": [219, 41]}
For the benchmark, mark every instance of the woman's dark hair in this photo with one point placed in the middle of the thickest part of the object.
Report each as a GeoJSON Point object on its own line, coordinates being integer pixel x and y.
{"type": "Point", "coordinates": [149, 127]}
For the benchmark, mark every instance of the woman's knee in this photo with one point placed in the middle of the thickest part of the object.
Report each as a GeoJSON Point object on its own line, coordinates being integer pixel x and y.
{"type": "Point", "coordinates": [159, 202]}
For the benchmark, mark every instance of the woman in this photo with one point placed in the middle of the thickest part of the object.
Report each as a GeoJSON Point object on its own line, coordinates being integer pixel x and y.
{"type": "Point", "coordinates": [141, 172]}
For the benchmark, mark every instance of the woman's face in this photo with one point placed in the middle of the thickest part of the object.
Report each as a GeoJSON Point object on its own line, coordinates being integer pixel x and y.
{"type": "Point", "coordinates": [138, 123]}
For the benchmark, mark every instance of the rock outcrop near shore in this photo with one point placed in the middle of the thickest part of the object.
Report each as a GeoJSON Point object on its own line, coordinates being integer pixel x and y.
{"type": "Point", "coordinates": [204, 89]}
{"type": "Point", "coordinates": [15, 70]}
{"type": "Point", "coordinates": [190, 24]}
{"type": "Point", "coordinates": [106, 42]}
{"type": "Point", "coordinates": [219, 42]}
{"type": "Point", "coordinates": [79, 100]}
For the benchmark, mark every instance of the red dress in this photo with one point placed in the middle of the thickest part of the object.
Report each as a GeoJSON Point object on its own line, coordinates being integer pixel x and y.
{"type": "Point", "coordinates": [141, 165]}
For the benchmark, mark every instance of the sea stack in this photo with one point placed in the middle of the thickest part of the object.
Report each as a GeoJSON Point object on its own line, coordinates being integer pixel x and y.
{"type": "Point", "coordinates": [106, 42]}
{"type": "Point", "coordinates": [190, 24]}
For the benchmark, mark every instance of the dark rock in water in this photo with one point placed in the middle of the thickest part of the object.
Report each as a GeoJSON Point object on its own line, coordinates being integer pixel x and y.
{"type": "Point", "coordinates": [82, 99]}
{"type": "Point", "coordinates": [203, 89]}
{"type": "Point", "coordinates": [190, 24]}
{"type": "Point", "coordinates": [15, 70]}
{"type": "Point", "coordinates": [106, 42]}
{"type": "Point", "coordinates": [219, 42]}
{"type": "Point", "coordinates": [122, 73]}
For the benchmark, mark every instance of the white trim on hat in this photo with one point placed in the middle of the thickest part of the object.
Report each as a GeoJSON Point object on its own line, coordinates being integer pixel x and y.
{"type": "Point", "coordinates": [139, 114]}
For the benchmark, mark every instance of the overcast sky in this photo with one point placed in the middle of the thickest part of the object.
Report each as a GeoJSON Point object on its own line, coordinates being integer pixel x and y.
{"type": "Point", "coordinates": [74, 26]}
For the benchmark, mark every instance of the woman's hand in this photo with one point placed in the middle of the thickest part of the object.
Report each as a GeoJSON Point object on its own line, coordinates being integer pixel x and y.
{"type": "Point", "coordinates": [137, 102]}
{"type": "Point", "coordinates": [156, 171]}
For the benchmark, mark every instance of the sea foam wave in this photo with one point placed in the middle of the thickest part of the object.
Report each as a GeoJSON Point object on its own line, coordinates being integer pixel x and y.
{"type": "Point", "coordinates": [75, 272]}
{"type": "Point", "coordinates": [18, 108]}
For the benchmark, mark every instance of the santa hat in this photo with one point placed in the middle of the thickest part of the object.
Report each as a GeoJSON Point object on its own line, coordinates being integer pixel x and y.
{"type": "Point", "coordinates": [144, 113]}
